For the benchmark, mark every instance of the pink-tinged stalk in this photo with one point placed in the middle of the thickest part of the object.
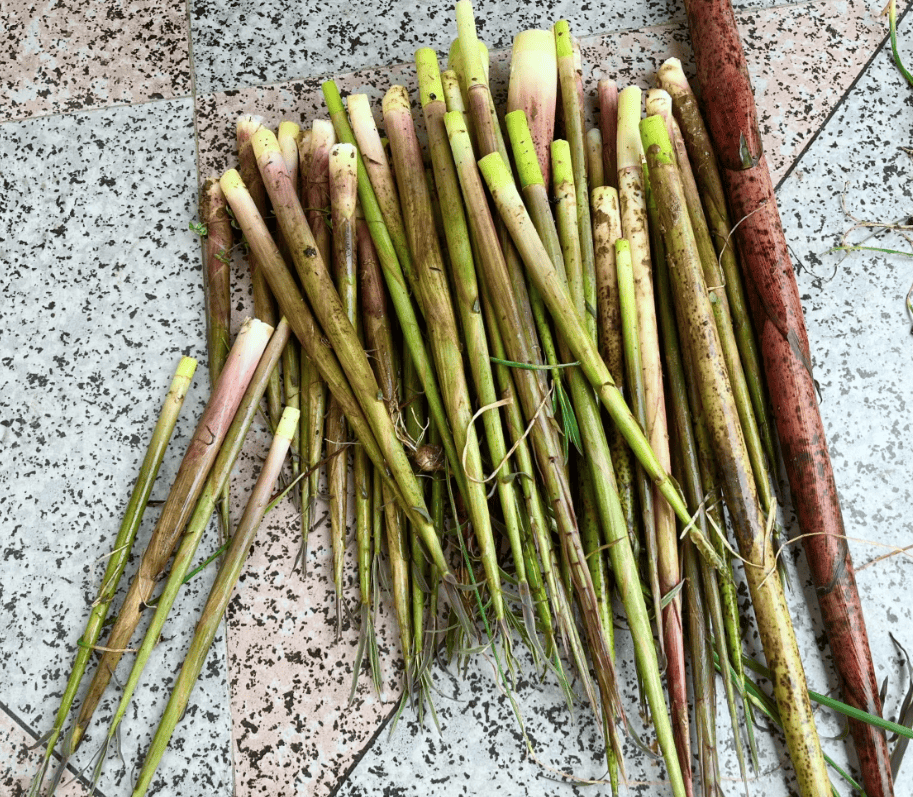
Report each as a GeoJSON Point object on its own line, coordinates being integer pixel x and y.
{"type": "Point", "coordinates": [533, 88]}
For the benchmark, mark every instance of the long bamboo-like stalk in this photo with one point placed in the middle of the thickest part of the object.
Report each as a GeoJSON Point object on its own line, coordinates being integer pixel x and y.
{"type": "Point", "coordinates": [343, 195]}
{"type": "Point", "coordinates": [607, 230]}
{"type": "Point", "coordinates": [196, 526]}
{"type": "Point", "coordinates": [607, 99]}
{"type": "Point", "coordinates": [185, 490]}
{"type": "Point", "coordinates": [713, 199]}
{"type": "Point", "coordinates": [545, 440]}
{"type": "Point", "coordinates": [630, 335]}
{"type": "Point", "coordinates": [660, 103]}
{"type": "Point", "coordinates": [632, 196]}
{"type": "Point", "coordinates": [572, 103]}
{"type": "Point", "coordinates": [339, 330]}
{"type": "Point", "coordinates": [264, 304]}
{"type": "Point", "coordinates": [123, 542]}
{"type": "Point", "coordinates": [690, 478]}
{"type": "Point", "coordinates": [217, 275]}
{"type": "Point", "coordinates": [442, 331]}
{"type": "Point", "coordinates": [467, 295]}
{"type": "Point", "coordinates": [771, 611]}
{"type": "Point", "coordinates": [219, 596]}
{"type": "Point", "coordinates": [288, 135]}
{"type": "Point", "coordinates": [304, 326]}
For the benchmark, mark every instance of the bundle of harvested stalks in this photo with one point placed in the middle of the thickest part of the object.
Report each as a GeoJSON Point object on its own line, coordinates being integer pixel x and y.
{"type": "Point", "coordinates": [524, 367]}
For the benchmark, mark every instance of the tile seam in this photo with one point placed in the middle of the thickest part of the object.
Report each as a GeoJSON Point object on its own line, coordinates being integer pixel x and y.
{"type": "Point", "coordinates": [840, 102]}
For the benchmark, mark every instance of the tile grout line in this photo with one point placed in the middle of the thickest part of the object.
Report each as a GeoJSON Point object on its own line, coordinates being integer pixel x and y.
{"type": "Point", "coordinates": [364, 750]}
{"type": "Point", "coordinates": [93, 790]}
{"type": "Point", "coordinates": [839, 104]}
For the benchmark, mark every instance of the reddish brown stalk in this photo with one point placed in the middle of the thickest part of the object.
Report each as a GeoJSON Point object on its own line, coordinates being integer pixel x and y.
{"type": "Point", "coordinates": [188, 484]}
{"type": "Point", "coordinates": [217, 274]}
{"type": "Point", "coordinates": [607, 98]}
{"type": "Point", "coordinates": [732, 119]}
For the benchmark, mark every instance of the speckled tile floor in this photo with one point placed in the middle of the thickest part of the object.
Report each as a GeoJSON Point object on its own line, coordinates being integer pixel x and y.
{"type": "Point", "coordinates": [109, 114]}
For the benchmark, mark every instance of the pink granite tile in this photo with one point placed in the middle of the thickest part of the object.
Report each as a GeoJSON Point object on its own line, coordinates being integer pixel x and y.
{"type": "Point", "coordinates": [67, 55]}
{"type": "Point", "coordinates": [294, 732]}
{"type": "Point", "coordinates": [19, 760]}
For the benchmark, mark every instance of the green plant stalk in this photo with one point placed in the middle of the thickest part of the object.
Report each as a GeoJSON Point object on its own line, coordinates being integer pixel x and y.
{"type": "Point", "coordinates": [713, 199]}
{"type": "Point", "coordinates": [123, 543]}
{"type": "Point", "coordinates": [219, 596]}
{"type": "Point", "coordinates": [396, 285]}
{"type": "Point", "coordinates": [397, 553]}
{"type": "Point", "coordinates": [595, 169]}
{"type": "Point", "coordinates": [305, 327]}
{"type": "Point", "coordinates": [702, 672]}
{"type": "Point", "coordinates": [730, 633]}
{"type": "Point", "coordinates": [362, 475]}
{"type": "Point", "coordinates": [341, 334]}
{"type": "Point", "coordinates": [592, 545]}
{"type": "Point", "coordinates": [416, 421]}
{"type": "Point", "coordinates": [627, 303]}
{"type": "Point", "coordinates": [572, 103]}
{"type": "Point", "coordinates": [199, 521]}
{"type": "Point", "coordinates": [467, 294]}
{"type": "Point", "coordinates": [313, 392]}
{"type": "Point", "coordinates": [191, 477]}
{"type": "Point", "coordinates": [690, 479]}
{"type": "Point", "coordinates": [288, 136]}
{"type": "Point", "coordinates": [765, 587]}
{"type": "Point", "coordinates": [380, 175]}
{"type": "Point", "coordinates": [632, 196]}
{"type": "Point", "coordinates": [264, 304]}
{"type": "Point", "coordinates": [659, 102]}
{"type": "Point", "coordinates": [536, 197]}
{"type": "Point", "coordinates": [343, 196]}
{"type": "Point", "coordinates": [544, 435]}
{"type": "Point", "coordinates": [535, 515]}
{"type": "Point", "coordinates": [443, 333]}
{"type": "Point", "coordinates": [607, 230]}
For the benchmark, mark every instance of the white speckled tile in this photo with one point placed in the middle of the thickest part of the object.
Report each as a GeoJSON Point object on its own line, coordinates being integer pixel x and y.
{"type": "Point", "coordinates": [861, 346]}
{"type": "Point", "coordinates": [102, 295]}
{"type": "Point", "coordinates": [240, 43]}
{"type": "Point", "coordinates": [68, 56]}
